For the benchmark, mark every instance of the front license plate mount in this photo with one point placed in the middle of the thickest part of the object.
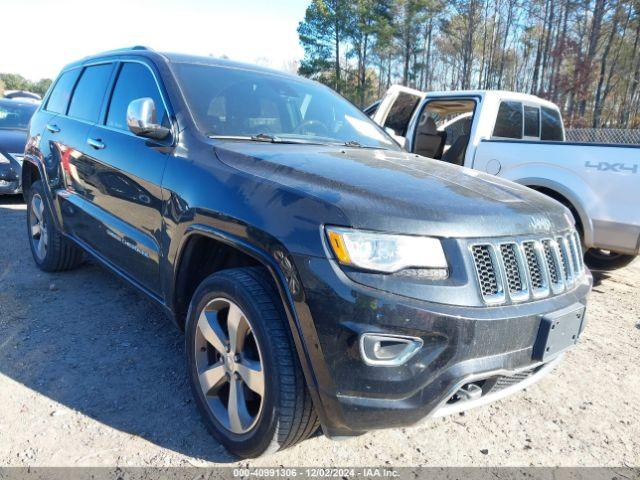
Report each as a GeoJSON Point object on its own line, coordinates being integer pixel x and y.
{"type": "Point", "coordinates": [558, 332]}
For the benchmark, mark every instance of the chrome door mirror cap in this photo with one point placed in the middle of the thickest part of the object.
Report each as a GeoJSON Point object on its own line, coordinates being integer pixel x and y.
{"type": "Point", "coordinates": [142, 119]}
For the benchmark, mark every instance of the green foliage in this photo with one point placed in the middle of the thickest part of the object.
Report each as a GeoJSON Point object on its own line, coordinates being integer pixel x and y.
{"type": "Point", "coordinates": [14, 81]}
{"type": "Point", "coordinates": [584, 56]}
{"type": "Point", "coordinates": [321, 33]}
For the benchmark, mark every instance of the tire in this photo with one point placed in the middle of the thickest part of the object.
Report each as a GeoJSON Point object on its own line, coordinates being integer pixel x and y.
{"type": "Point", "coordinates": [51, 251]}
{"type": "Point", "coordinates": [605, 260]}
{"type": "Point", "coordinates": [283, 415]}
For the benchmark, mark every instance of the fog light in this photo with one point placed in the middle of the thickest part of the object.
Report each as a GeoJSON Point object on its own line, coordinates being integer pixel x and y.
{"type": "Point", "coordinates": [388, 350]}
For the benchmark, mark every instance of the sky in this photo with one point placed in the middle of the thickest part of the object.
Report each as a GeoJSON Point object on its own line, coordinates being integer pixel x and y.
{"type": "Point", "coordinates": [49, 34]}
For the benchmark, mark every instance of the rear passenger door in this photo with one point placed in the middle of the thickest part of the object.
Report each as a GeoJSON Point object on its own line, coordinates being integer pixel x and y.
{"type": "Point", "coordinates": [126, 176]}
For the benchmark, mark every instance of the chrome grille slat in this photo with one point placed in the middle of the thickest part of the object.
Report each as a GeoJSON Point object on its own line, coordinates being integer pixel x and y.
{"type": "Point", "coordinates": [551, 263]}
{"type": "Point", "coordinates": [511, 267]}
{"type": "Point", "coordinates": [538, 273]}
{"type": "Point", "coordinates": [554, 264]}
{"type": "Point", "coordinates": [568, 259]}
{"type": "Point", "coordinates": [576, 252]}
{"type": "Point", "coordinates": [488, 273]}
{"type": "Point", "coordinates": [564, 262]}
{"type": "Point", "coordinates": [514, 271]}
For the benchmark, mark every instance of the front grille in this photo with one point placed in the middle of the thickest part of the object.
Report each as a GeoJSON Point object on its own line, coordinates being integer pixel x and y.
{"type": "Point", "coordinates": [486, 270]}
{"type": "Point", "coordinates": [504, 381]}
{"type": "Point", "coordinates": [528, 268]}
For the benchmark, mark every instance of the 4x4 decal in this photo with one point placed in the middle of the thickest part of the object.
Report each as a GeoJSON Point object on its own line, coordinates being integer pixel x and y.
{"type": "Point", "coordinates": [612, 167]}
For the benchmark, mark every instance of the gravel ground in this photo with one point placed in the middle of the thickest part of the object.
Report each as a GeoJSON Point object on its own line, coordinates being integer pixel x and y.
{"type": "Point", "coordinates": [92, 373]}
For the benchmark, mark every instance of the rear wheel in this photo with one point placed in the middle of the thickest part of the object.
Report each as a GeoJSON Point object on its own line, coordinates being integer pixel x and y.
{"type": "Point", "coordinates": [604, 260]}
{"type": "Point", "coordinates": [51, 251]}
{"type": "Point", "coordinates": [243, 367]}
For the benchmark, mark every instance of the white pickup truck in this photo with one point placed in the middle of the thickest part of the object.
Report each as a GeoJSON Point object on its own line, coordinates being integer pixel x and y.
{"type": "Point", "coordinates": [521, 137]}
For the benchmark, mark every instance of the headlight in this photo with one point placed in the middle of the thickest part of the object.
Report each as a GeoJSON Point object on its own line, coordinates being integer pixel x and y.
{"type": "Point", "coordinates": [3, 159]}
{"type": "Point", "coordinates": [387, 253]}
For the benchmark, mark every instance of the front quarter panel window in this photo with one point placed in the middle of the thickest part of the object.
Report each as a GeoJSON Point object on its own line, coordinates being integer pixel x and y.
{"type": "Point", "coordinates": [509, 120]}
{"type": "Point", "coordinates": [134, 81]}
{"type": "Point", "coordinates": [89, 92]}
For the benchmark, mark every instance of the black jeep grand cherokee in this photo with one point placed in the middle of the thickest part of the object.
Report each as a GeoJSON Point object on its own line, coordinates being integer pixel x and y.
{"type": "Point", "coordinates": [323, 276]}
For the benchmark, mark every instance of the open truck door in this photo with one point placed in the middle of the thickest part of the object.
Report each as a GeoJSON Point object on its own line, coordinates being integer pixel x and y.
{"type": "Point", "coordinates": [396, 109]}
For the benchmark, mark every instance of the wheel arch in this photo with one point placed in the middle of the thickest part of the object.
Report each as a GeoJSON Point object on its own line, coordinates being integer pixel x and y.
{"type": "Point", "coordinates": [280, 268]}
{"type": "Point", "coordinates": [568, 198]}
{"type": "Point", "coordinates": [31, 172]}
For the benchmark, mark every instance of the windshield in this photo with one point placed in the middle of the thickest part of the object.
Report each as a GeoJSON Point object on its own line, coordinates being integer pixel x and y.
{"type": "Point", "coordinates": [233, 102]}
{"type": "Point", "coordinates": [14, 115]}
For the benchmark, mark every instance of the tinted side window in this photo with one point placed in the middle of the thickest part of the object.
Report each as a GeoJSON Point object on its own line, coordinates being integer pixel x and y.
{"type": "Point", "coordinates": [400, 113]}
{"type": "Point", "coordinates": [551, 125]}
{"type": "Point", "coordinates": [509, 121]}
{"type": "Point", "coordinates": [134, 81]}
{"type": "Point", "coordinates": [531, 121]}
{"type": "Point", "coordinates": [88, 94]}
{"type": "Point", "coordinates": [59, 98]}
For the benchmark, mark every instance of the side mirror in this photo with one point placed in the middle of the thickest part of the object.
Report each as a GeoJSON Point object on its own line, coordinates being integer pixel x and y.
{"type": "Point", "coordinates": [142, 119]}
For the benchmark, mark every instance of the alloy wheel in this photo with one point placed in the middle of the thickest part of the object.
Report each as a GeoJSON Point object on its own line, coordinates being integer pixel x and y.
{"type": "Point", "coordinates": [39, 235]}
{"type": "Point", "coordinates": [229, 365]}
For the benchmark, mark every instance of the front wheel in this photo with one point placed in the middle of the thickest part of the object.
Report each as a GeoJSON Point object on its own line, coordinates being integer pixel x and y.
{"type": "Point", "coordinates": [605, 260]}
{"type": "Point", "coordinates": [243, 367]}
{"type": "Point", "coordinates": [51, 251]}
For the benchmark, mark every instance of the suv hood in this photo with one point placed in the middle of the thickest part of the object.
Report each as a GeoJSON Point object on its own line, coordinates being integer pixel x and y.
{"type": "Point", "coordinates": [401, 192]}
{"type": "Point", "coordinates": [12, 141]}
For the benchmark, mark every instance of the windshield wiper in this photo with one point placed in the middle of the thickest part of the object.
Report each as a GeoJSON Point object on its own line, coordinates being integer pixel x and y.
{"type": "Point", "coordinates": [266, 137]}
{"type": "Point", "coordinates": [356, 144]}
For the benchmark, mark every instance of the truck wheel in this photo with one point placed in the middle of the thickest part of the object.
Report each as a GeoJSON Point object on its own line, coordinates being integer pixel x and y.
{"type": "Point", "coordinates": [243, 367]}
{"type": "Point", "coordinates": [51, 251]}
{"type": "Point", "coordinates": [598, 259]}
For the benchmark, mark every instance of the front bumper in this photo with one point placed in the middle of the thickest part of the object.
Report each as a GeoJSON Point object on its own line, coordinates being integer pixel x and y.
{"type": "Point", "coordinates": [10, 174]}
{"type": "Point", "coordinates": [617, 237]}
{"type": "Point", "coordinates": [460, 345]}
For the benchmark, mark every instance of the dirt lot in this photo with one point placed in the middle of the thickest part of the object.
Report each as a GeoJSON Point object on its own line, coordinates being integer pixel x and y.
{"type": "Point", "coordinates": [92, 373]}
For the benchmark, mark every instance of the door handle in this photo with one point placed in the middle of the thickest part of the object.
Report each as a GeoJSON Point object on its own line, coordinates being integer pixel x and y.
{"type": "Point", "coordinates": [96, 143]}
{"type": "Point", "coordinates": [53, 128]}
